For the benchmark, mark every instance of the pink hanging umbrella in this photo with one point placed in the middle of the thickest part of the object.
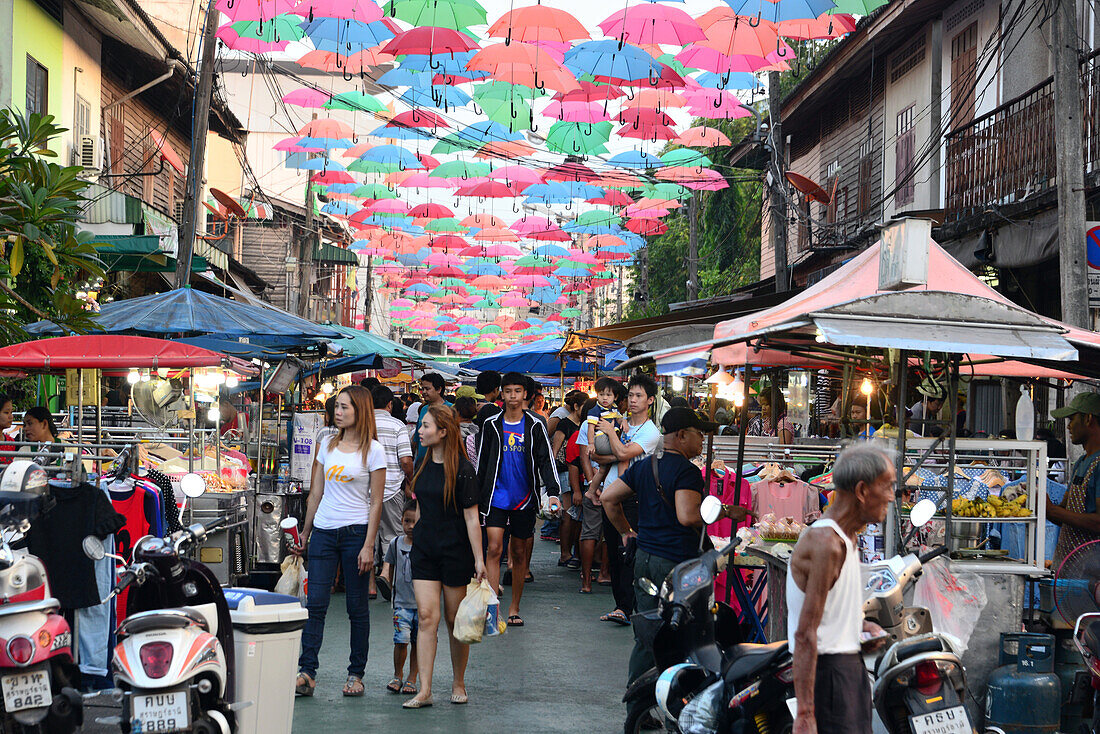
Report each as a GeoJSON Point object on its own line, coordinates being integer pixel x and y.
{"type": "Point", "coordinates": [288, 145]}
{"type": "Point", "coordinates": [652, 23]}
{"type": "Point", "coordinates": [489, 282]}
{"type": "Point", "coordinates": [430, 211]}
{"type": "Point", "coordinates": [502, 250]}
{"type": "Point", "coordinates": [514, 300]}
{"type": "Point", "coordinates": [233, 40]}
{"type": "Point", "coordinates": [531, 281]}
{"type": "Point", "coordinates": [326, 127]}
{"type": "Point", "coordinates": [702, 137]}
{"type": "Point", "coordinates": [611, 197]}
{"type": "Point", "coordinates": [390, 206]}
{"type": "Point", "coordinates": [483, 220]}
{"type": "Point", "coordinates": [446, 271]}
{"type": "Point", "coordinates": [306, 98]}
{"type": "Point", "coordinates": [589, 112]}
{"type": "Point", "coordinates": [236, 10]}
{"type": "Point", "coordinates": [363, 11]}
{"type": "Point", "coordinates": [421, 180]}
{"type": "Point", "coordinates": [516, 174]}
{"type": "Point", "coordinates": [495, 234]}
{"type": "Point", "coordinates": [442, 258]}
{"type": "Point", "coordinates": [714, 104]}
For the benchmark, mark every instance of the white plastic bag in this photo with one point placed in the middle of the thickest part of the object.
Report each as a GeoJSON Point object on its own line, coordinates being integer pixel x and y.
{"type": "Point", "coordinates": [701, 714]}
{"type": "Point", "coordinates": [955, 600]}
{"type": "Point", "coordinates": [473, 612]}
{"type": "Point", "coordinates": [293, 580]}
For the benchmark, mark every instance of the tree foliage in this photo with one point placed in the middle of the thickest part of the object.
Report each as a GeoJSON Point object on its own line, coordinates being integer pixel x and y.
{"type": "Point", "coordinates": [728, 224]}
{"type": "Point", "coordinates": [44, 256]}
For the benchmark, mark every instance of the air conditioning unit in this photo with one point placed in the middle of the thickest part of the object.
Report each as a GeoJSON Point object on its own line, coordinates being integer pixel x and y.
{"type": "Point", "coordinates": [87, 152]}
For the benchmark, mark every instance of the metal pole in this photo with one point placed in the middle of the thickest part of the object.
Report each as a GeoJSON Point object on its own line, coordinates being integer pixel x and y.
{"type": "Point", "coordinates": [191, 424]}
{"type": "Point", "coordinates": [693, 249]}
{"type": "Point", "coordinates": [196, 164]}
{"type": "Point", "coordinates": [260, 427]}
{"type": "Point", "coordinates": [893, 526]}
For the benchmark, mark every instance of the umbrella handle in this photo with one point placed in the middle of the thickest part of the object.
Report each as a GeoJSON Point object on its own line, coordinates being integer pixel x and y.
{"type": "Point", "coordinates": [779, 50]}
{"type": "Point", "coordinates": [653, 79]}
{"type": "Point", "coordinates": [726, 78]}
{"type": "Point", "coordinates": [757, 23]}
{"type": "Point", "coordinates": [534, 126]}
{"type": "Point", "coordinates": [515, 206]}
{"type": "Point", "coordinates": [629, 94]}
{"type": "Point", "coordinates": [539, 83]}
{"type": "Point", "coordinates": [477, 110]}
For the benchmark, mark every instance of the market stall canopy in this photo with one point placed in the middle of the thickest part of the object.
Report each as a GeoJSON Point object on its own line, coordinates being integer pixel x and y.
{"type": "Point", "coordinates": [344, 365]}
{"type": "Point", "coordinates": [187, 312]}
{"type": "Point", "coordinates": [535, 358]}
{"type": "Point", "coordinates": [948, 314]}
{"type": "Point", "coordinates": [361, 342]}
{"type": "Point", "coordinates": [102, 351]}
{"type": "Point", "coordinates": [269, 349]}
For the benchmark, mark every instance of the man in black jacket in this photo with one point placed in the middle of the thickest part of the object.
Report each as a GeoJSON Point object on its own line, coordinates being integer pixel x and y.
{"type": "Point", "coordinates": [513, 453]}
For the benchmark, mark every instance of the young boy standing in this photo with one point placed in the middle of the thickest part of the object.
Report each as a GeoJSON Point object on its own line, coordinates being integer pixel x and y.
{"type": "Point", "coordinates": [513, 449]}
{"type": "Point", "coordinates": [397, 572]}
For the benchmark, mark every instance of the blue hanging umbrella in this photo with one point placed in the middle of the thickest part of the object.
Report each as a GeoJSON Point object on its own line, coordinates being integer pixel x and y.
{"type": "Point", "coordinates": [551, 192]}
{"type": "Point", "coordinates": [781, 10]}
{"type": "Point", "coordinates": [439, 96]}
{"type": "Point", "coordinates": [322, 164]}
{"type": "Point", "coordinates": [401, 76]}
{"type": "Point", "coordinates": [342, 36]}
{"type": "Point", "coordinates": [339, 208]}
{"type": "Point", "coordinates": [187, 312]}
{"type": "Point", "coordinates": [341, 188]}
{"type": "Point", "coordinates": [548, 251]}
{"type": "Point", "coordinates": [733, 80]}
{"type": "Point", "coordinates": [572, 271]}
{"type": "Point", "coordinates": [611, 59]}
{"type": "Point", "coordinates": [393, 155]}
{"type": "Point", "coordinates": [324, 143]}
{"type": "Point", "coordinates": [634, 159]}
{"type": "Point", "coordinates": [400, 132]}
{"type": "Point", "coordinates": [534, 358]}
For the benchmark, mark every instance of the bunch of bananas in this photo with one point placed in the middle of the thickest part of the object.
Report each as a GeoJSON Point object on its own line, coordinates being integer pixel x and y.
{"type": "Point", "coordinates": [991, 507]}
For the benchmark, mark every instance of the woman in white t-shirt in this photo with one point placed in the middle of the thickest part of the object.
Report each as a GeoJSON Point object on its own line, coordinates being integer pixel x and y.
{"type": "Point", "coordinates": [341, 529]}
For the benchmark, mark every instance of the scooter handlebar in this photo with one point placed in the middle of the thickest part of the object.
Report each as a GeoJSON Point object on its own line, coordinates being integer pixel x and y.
{"type": "Point", "coordinates": [676, 618]}
{"type": "Point", "coordinates": [934, 553]}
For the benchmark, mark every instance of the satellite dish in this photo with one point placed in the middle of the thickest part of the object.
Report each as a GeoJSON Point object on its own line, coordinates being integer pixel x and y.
{"type": "Point", "coordinates": [228, 202]}
{"type": "Point", "coordinates": [810, 189]}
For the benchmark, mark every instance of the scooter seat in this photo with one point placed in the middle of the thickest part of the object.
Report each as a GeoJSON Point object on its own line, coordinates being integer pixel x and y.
{"type": "Point", "coordinates": [159, 619]}
{"type": "Point", "coordinates": [746, 659]}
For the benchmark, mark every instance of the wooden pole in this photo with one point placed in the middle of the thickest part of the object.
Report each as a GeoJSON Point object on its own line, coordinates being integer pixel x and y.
{"type": "Point", "coordinates": [196, 164]}
{"type": "Point", "coordinates": [777, 202]}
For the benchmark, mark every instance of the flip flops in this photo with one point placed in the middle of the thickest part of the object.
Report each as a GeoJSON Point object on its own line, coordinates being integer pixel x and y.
{"type": "Point", "coordinates": [515, 620]}
{"type": "Point", "coordinates": [305, 685]}
{"type": "Point", "coordinates": [617, 617]}
{"type": "Point", "coordinates": [394, 686]}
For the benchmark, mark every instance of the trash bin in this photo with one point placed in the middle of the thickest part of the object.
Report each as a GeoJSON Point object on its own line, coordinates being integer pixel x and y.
{"type": "Point", "coordinates": [267, 632]}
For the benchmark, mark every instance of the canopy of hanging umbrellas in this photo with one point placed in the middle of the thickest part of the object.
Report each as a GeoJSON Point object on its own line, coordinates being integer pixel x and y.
{"type": "Point", "coordinates": [516, 160]}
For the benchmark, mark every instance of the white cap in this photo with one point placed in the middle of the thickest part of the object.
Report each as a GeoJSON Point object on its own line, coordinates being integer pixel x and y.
{"type": "Point", "coordinates": [413, 413]}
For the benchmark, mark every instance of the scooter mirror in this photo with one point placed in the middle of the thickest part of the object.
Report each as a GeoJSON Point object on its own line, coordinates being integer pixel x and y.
{"type": "Point", "coordinates": [711, 509]}
{"type": "Point", "coordinates": [922, 512]}
{"type": "Point", "coordinates": [193, 485]}
{"type": "Point", "coordinates": [648, 587]}
{"type": "Point", "coordinates": [93, 548]}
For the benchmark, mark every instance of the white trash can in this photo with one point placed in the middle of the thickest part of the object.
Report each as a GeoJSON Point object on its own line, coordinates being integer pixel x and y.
{"type": "Point", "coordinates": [267, 634]}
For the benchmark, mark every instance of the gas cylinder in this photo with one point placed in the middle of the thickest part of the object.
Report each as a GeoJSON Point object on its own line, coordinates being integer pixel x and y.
{"type": "Point", "coordinates": [1025, 694]}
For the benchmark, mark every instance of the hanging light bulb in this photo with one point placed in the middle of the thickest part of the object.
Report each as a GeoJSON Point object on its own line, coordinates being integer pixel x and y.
{"type": "Point", "coordinates": [217, 378]}
{"type": "Point", "coordinates": [145, 377]}
{"type": "Point", "coordinates": [133, 377]}
{"type": "Point", "coordinates": [737, 387]}
{"type": "Point", "coordinates": [162, 372]}
{"type": "Point", "coordinates": [677, 383]}
{"type": "Point", "coordinates": [232, 381]}
{"type": "Point", "coordinates": [213, 414]}
{"type": "Point", "coordinates": [720, 377]}
{"type": "Point", "coordinates": [328, 388]}
{"type": "Point", "coordinates": [866, 387]}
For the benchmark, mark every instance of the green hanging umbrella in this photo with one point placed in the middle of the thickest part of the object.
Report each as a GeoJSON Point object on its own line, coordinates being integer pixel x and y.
{"type": "Point", "coordinates": [456, 14]}
{"type": "Point", "coordinates": [515, 114]}
{"type": "Point", "coordinates": [677, 66]}
{"type": "Point", "coordinates": [272, 30]}
{"type": "Point", "coordinates": [444, 224]}
{"type": "Point", "coordinates": [356, 102]}
{"type": "Point", "coordinates": [486, 303]}
{"type": "Point", "coordinates": [374, 191]}
{"type": "Point", "coordinates": [534, 261]}
{"type": "Point", "coordinates": [685, 157]}
{"type": "Point", "coordinates": [371, 167]}
{"type": "Point", "coordinates": [577, 138]}
{"type": "Point", "coordinates": [460, 169]}
{"type": "Point", "coordinates": [597, 218]}
{"type": "Point", "coordinates": [666, 191]}
{"type": "Point", "coordinates": [857, 7]}
{"type": "Point", "coordinates": [570, 313]}
{"type": "Point", "coordinates": [492, 329]}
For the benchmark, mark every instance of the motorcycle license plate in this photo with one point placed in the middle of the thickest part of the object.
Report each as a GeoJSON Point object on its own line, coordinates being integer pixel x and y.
{"type": "Point", "coordinates": [947, 721]}
{"type": "Point", "coordinates": [160, 712]}
{"type": "Point", "coordinates": [27, 690]}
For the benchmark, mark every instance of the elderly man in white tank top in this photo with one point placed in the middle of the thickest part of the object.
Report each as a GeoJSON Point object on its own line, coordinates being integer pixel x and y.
{"type": "Point", "coordinates": [824, 599]}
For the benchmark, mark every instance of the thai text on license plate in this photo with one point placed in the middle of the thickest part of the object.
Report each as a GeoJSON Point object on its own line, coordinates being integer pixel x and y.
{"type": "Point", "coordinates": [946, 721]}
{"type": "Point", "coordinates": [27, 690]}
{"type": "Point", "coordinates": [160, 712]}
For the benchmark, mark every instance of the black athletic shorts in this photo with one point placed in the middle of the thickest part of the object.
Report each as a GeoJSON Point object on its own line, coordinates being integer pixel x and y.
{"type": "Point", "coordinates": [842, 695]}
{"type": "Point", "coordinates": [520, 523]}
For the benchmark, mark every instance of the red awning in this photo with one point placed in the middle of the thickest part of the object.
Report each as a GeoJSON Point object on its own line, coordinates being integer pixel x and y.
{"type": "Point", "coordinates": [166, 151]}
{"type": "Point", "coordinates": [106, 351]}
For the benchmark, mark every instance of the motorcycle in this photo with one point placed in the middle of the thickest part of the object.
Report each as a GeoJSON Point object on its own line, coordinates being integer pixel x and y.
{"type": "Point", "coordinates": [687, 626]}
{"type": "Point", "coordinates": [37, 672]}
{"type": "Point", "coordinates": [173, 663]}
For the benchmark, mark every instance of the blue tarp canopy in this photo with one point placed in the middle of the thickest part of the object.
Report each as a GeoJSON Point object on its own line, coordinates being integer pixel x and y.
{"type": "Point", "coordinates": [187, 312]}
{"type": "Point", "coordinates": [344, 365]}
{"type": "Point", "coordinates": [269, 349]}
{"type": "Point", "coordinates": [536, 358]}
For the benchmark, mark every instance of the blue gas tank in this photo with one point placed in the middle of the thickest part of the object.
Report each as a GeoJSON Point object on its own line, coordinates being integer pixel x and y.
{"type": "Point", "coordinates": [1025, 694]}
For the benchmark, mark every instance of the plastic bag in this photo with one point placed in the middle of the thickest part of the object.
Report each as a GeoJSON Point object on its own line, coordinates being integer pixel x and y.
{"type": "Point", "coordinates": [293, 580]}
{"type": "Point", "coordinates": [700, 715]}
{"type": "Point", "coordinates": [473, 613]}
{"type": "Point", "coordinates": [955, 600]}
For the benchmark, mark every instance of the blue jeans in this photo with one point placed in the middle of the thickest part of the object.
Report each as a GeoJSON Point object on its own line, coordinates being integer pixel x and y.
{"type": "Point", "coordinates": [329, 549]}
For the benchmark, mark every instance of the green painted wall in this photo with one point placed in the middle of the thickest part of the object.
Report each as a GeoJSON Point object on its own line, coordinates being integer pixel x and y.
{"type": "Point", "coordinates": [34, 32]}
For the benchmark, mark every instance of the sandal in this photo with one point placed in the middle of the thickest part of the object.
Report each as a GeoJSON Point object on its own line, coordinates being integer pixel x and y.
{"type": "Point", "coordinates": [304, 686]}
{"type": "Point", "coordinates": [394, 686]}
{"type": "Point", "coordinates": [459, 698]}
{"type": "Point", "coordinates": [409, 687]}
{"type": "Point", "coordinates": [617, 616]}
{"type": "Point", "coordinates": [515, 620]}
{"type": "Point", "coordinates": [354, 687]}
{"type": "Point", "coordinates": [415, 703]}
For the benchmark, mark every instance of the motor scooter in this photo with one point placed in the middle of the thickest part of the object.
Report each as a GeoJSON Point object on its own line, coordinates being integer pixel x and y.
{"type": "Point", "coordinates": [37, 672]}
{"type": "Point", "coordinates": [174, 659]}
{"type": "Point", "coordinates": [688, 626]}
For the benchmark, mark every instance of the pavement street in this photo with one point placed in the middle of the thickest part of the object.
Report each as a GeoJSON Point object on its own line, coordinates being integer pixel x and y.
{"type": "Point", "coordinates": [565, 671]}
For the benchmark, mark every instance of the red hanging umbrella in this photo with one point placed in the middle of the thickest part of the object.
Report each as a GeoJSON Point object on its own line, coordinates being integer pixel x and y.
{"type": "Point", "coordinates": [538, 23]}
{"type": "Point", "coordinates": [430, 211]}
{"type": "Point", "coordinates": [653, 23]}
{"type": "Point", "coordinates": [326, 128]}
{"type": "Point", "coordinates": [483, 220]}
{"type": "Point", "coordinates": [487, 190]}
{"type": "Point", "coordinates": [570, 172]}
{"type": "Point", "coordinates": [419, 118]}
{"type": "Point", "coordinates": [429, 41]}
{"type": "Point", "coordinates": [611, 197]}
{"type": "Point", "coordinates": [646, 227]}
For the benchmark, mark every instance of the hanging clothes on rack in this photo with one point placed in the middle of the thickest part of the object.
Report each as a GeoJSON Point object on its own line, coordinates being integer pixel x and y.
{"type": "Point", "coordinates": [723, 483]}
{"type": "Point", "coordinates": [785, 496]}
{"type": "Point", "coordinates": [97, 623]}
{"type": "Point", "coordinates": [140, 510]}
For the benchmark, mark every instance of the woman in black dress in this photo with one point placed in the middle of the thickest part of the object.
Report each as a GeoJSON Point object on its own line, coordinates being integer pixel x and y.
{"type": "Point", "coordinates": [446, 550]}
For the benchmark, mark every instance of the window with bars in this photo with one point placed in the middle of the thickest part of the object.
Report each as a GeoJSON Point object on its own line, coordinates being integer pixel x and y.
{"type": "Point", "coordinates": [905, 149]}
{"type": "Point", "coordinates": [832, 172]}
{"type": "Point", "coordinates": [82, 118]}
{"type": "Point", "coordinates": [866, 171]}
{"type": "Point", "coordinates": [38, 85]}
{"type": "Point", "coordinates": [964, 69]}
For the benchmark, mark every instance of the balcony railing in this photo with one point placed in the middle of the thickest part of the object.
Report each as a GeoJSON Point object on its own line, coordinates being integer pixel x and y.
{"type": "Point", "coordinates": [1007, 156]}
